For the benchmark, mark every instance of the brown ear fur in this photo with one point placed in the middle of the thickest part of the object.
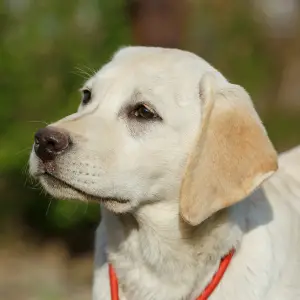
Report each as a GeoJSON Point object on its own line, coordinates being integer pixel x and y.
{"type": "Point", "coordinates": [232, 156]}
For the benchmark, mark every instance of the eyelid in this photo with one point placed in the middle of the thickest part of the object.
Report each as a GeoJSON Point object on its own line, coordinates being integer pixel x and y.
{"type": "Point", "coordinates": [136, 106]}
{"type": "Point", "coordinates": [85, 88]}
{"type": "Point", "coordinates": [86, 91]}
{"type": "Point", "coordinates": [146, 106]}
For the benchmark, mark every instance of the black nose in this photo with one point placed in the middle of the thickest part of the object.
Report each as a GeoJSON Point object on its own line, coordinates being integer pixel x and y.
{"type": "Point", "coordinates": [49, 142]}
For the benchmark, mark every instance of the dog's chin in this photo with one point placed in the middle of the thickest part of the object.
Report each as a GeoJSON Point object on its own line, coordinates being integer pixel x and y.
{"type": "Point", "coordinates": [59, 189]}
{"type": "Point", "coordinates": [63, 190]}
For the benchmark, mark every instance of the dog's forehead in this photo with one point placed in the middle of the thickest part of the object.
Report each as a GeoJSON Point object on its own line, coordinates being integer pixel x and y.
{"type": "Point", "coordinates": [157, 73]}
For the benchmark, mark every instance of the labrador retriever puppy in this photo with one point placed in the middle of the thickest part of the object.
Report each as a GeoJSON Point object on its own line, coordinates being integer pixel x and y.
{"type": "Point", "coordinates": [185, 173]}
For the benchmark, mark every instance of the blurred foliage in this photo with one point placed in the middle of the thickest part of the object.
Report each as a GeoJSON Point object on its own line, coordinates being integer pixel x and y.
{"type": "Point", "coordinates": [227, 35]}
{"type": "Point", "coordinates": [48, 48]}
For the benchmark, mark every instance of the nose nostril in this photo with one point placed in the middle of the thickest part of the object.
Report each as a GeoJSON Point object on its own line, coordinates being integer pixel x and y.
{"type": "Point", "coordinates": [50, 142]}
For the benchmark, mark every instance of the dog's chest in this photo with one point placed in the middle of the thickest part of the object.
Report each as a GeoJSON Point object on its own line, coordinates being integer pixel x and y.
{"type": "Point", "coordinates": [152, 269]}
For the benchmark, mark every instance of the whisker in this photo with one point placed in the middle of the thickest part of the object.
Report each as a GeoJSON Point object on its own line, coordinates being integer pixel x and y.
{"type": "Point", "coordinates": [74, 211]}
{"type": "Point", "coordinates": [43, 122]}
{"type": "Point", "coordinates": [86, 207]}
{"type": "Point", "coordinates": [25, 181]}
{"type": "Point", "coordinates": [48, 208]}
{"type": "Point", "coordinates": [36, 189]}
{"type": "Point", "coordinates": [91, 70]}
{"type": "Point", "coordinates": [21, 151]}
{"type": "Point", "coordinates": [84, 74]}
{"type": "Point", "coordinates": [85, 71]}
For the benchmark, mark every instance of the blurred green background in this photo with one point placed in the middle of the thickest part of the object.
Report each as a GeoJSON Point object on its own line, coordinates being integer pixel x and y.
{"type": "Point", "coordinates": [47, 50]}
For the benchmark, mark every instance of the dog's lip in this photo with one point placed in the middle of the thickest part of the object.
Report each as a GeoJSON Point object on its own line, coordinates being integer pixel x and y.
{"type": "Point", "coordinates": [85, 194]}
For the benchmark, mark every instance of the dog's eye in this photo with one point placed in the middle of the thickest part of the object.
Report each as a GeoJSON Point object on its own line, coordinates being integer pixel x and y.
{"type": "Point", "coordinates": [86, 96]}
{"type": "Point", "coordinates": [144, 112]}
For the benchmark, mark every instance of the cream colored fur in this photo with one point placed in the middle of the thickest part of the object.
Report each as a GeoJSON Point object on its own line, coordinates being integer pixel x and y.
{"type": "Point", "coordinates": [193, 181]}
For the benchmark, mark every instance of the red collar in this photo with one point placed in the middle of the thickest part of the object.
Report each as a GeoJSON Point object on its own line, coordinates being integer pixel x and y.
{"type": "Point", "coordinates": [225, 261]}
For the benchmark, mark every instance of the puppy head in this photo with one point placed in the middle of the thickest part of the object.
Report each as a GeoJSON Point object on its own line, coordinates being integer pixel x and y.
{"type": "Point", "coordinates": [129, 142]}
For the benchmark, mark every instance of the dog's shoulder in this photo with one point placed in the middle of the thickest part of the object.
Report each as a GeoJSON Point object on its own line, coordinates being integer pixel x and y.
{"type": "Point", "coordinates": [285, 183]}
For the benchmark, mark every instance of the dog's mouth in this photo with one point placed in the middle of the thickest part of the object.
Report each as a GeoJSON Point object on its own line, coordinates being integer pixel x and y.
{"type": "Point", "coordinates": [56, 182]}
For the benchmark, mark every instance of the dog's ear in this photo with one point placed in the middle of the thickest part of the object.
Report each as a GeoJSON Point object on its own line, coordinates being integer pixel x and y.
{"type": "Point", "coordinates": [232, 155]}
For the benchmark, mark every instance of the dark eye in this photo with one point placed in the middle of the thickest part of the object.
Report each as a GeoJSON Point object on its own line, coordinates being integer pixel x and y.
{"type": "Point", "coordinates": [144, 112]}
{"type": "Point", "coordinates": [86, 96]}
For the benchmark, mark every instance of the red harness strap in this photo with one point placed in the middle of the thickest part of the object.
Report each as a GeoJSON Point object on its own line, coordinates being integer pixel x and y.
{"type": "Point", "coordinates": [204, 295]}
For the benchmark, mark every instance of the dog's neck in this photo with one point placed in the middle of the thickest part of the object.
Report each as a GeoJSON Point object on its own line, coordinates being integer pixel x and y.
{"type": "Point", "coordinates": [156, 243]}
